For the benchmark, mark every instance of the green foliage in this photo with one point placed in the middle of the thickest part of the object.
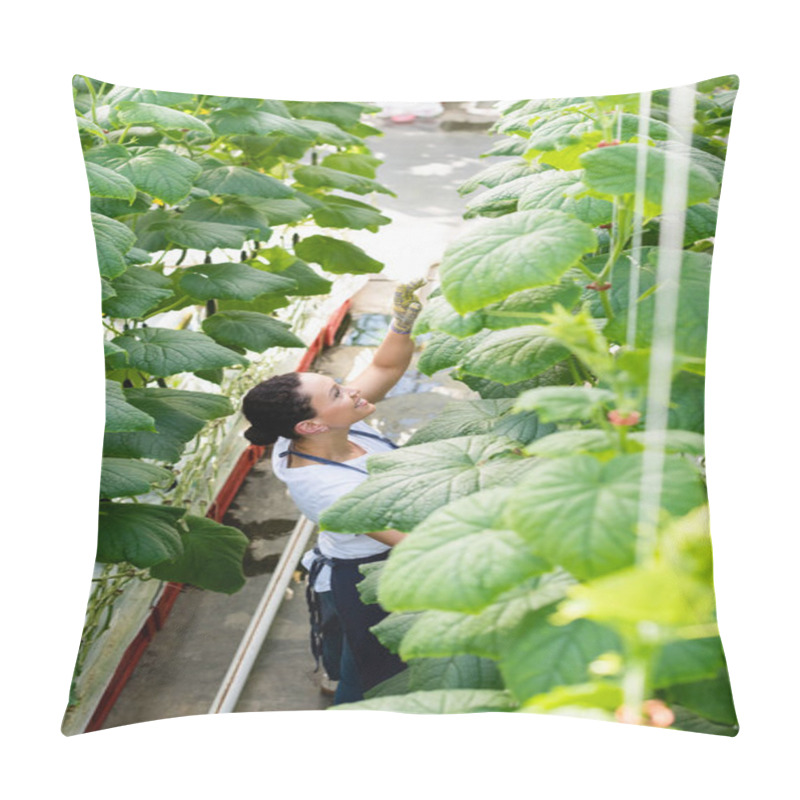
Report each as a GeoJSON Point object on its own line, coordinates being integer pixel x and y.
{"type": "Point", "coordinates": [573, 555]}
{"type": "Point", "coordinates": [176, 181]}
{"type": "Point", "coordinates": [211, 557]}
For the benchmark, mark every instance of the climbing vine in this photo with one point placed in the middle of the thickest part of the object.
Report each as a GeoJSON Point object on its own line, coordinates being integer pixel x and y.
{"type": "Point", "coordinates": [559, 558]}
{"type": "Point", "coordinates": [208, 214]}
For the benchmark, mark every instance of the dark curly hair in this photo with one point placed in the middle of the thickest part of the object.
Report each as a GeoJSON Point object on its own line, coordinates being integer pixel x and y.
{"type": "Point", "coordinates": [273, 407]}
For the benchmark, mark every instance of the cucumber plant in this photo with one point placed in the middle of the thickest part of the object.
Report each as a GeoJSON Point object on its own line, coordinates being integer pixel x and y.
{"type": "Point", "coordinates": [559, 558]}
{"type": "Point", "coordinates": [198, 205]}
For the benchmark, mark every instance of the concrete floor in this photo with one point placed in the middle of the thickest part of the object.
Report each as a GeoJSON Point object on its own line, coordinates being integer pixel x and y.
{"type": "Point", "coordinates": [182, 668]}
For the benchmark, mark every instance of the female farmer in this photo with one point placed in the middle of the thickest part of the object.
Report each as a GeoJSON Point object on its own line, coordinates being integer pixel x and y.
{"type": "Point", "coordinates": [321, 449]}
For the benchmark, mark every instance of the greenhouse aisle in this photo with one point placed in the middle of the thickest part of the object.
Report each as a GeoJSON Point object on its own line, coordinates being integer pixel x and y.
{"type": "Point", "coordinates": [181, 670]}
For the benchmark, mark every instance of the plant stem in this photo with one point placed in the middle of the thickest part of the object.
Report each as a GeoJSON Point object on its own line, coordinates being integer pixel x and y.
{"type": "Point", "coordinates": [124, 133]}
{"type": "Point", "coordinates": [606, 305]}
{"type": "Point", "coordinates": [574, 370]}
{"type": "Point", "coordinates": [94, 98]}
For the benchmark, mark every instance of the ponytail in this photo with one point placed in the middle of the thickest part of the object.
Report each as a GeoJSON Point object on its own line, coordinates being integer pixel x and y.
{"type": "Point", "coordinates": [273, 407]}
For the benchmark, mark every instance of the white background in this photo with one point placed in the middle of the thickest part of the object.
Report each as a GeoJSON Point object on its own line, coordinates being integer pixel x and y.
{"type": "Point", "coordinates": [53, 386]}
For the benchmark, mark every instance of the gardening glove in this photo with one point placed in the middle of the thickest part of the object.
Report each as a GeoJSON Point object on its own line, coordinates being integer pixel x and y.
{"type": "Point", "coordinates": [406, 306]}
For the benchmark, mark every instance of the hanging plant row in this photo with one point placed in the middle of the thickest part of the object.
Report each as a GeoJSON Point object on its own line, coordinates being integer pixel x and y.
{"type": "Point", "coordinates": [523, 585]}
{"type": "Point", "coordinates": [178, 183]}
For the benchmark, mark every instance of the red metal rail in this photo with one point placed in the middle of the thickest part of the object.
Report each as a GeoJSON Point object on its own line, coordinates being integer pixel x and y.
{"type": "Point", "coordinates": [216, 511]}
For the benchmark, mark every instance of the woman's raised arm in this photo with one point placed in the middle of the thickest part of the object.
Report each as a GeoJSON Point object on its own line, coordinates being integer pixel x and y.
{"type": "Point", "coordinates": [393, 356]}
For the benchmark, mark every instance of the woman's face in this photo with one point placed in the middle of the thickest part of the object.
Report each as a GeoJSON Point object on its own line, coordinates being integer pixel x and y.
{"type": "Point", "coordinates": [335, 406]}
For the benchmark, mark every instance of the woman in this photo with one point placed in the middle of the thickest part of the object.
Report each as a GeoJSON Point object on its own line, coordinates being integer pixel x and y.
{"type": "Point", "coordinates": [321, 449]}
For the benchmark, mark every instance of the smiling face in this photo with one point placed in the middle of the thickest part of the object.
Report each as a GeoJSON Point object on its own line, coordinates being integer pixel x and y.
{"type": "Point", "coordinates": [335, 406]}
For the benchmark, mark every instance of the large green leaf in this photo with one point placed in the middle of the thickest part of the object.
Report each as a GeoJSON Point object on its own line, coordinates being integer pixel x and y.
{"type": "Point", "coordinates": [267, 152]}
{"type": "Point", "coordinates": [136, 113]}
{"type": "Point", "coordinates": [307, 281]}
{"type": "Point", "coordinates": [436, 701]}
{"type": "Point", "coordinates": [250, 330]}
{"type": "Point", "coordinates": [525, 427]}
{"type": "Point", "coordinates": [322, 177]}
{"type": "Point", "coordinates": [462, 671]}
{"type": "Point", "coordinates": [243, 181]}
{"type": "Point", "coordinates": [508, 146]}
{"type": "Point", "coordinates": [439, 315]}
{"type": "Point", "coordinates": [686, 720]}
{"type": "Point", "coordinates": [138, 533]}
{"type": "Point", "coordinates": [688, 660]}
{"type": "Point", "coordinates": [489, 390]}
{"type": "Point", "coordinates": [539, 656]}
{"type": "Point", "coordinates": [106, 290]}
{"type": "Point", "coordinates": [160, 352]}
{"type": "Point", "coordinates": [345, 115]}
{"type": "Point", "coordinates": [121, 94]}
{"type": "Point", "coordinates": [458, 559]}
{"type": "Point", "coordinates": [121, 415]}
{"type": "Point", "coordinates": [231, 281]}
{"type": "Point", "coordinates": [710, 698]}
{"type": "Point", "coordinates": [162, 174]}
{"type": "Point", "coordinates": [612, 171]}
{"type": "Point", "coordinates": [582, 514]}
{"type": "Point", "coordinates": [556, 131]}
{"type": "Point", "coordinates": [504, 172]}
{"type": "Point", "coordinates": [159, 230]}
{"type": "Point", "coordinates": [111, 156]}
{"type": "Point", "coordinates": [264, 304]}
{"type": "Point", "coordinates": [525, 307]}
{"type": "Point", "coordinates": [239, 211]}
{"type": "Point", "coordinates": [178, 415]}
{"type": "Point", "coordinates": [561, 190]}
{"type": "Point", "coordinates": [112, 240]}
{"type": "Point", "coordinates": [328, 133]}
{"type": "Point", "coordinates": [520, 308]}
{"type": "Point", "coordinates": [121, 210]}
{"type": "Point", "coordinates": [566, 443]}
{"type": "Point", "coordinates": [462, 418]}
{"type": "Point", "coordinates": [391, 630]}
{"type": "Point", "coordinates": [654, 593]}
{"type": "Point", "coordinates": [404, 487]}
{"type": "Point", "coordinates": [554, 403]}
{"type": "Point", "coordinates": [271, 106]}
{"type": "Point", "coordinates": [136, 291]}
{"type": "Point", "coordinates": [104, 182]}
{"type": "Point", "coordinates": [87, 126]}
{"type": "Point", "coordinates": [700, 223]}
{"type": "Point", "coordinates": [115, 357]}
{"type": "Point", "coordinates": [439, 633]}
{"type": "Point", "coordinates": [691, 321]}
{"type": "Point", "coordinates": [502, 199]}
{"type": "Point", "coordinates": [126, 477]}
{"type": "Point", "coordinates": [341, 212]}
{"type": "Point", "coordinates": [240, 120]}
{"type": "Point", "coordinates": [211, 559]}
{"type": "Point", "coordinates": [513, 355]}
{"type": "Point", "coordinates": [282, 211]}
{"type": "Point", "coordinates": [355, 163]}
{"type": "Point", "coordinates": [497, 257]}
{"type": "Point", "coordinates": [443, 351]}
{"type": "Point", "coordinates": [336, 256]}
{"type": "Point", "coordinates": [687, 410]}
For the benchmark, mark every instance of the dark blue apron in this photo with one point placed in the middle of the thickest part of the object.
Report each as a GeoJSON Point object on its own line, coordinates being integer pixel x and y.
{"type": "Point", "coordinates": [318, 624]}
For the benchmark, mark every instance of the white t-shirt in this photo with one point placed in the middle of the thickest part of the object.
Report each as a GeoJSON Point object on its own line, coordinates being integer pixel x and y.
{"type": "Point", "coordinates": [315, 488]}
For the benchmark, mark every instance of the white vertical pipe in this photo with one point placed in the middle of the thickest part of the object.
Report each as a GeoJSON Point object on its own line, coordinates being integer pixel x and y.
{"type": "Point", "coordinates": [253, 639]}
{"type": "Point", "coordinates": [638, 216]}
{"type": "Point", "coordinates": [670, 242]}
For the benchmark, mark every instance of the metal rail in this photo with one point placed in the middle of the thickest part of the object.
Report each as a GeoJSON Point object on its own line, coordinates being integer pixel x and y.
{"type": "Point", "coordinates": [253, 639]}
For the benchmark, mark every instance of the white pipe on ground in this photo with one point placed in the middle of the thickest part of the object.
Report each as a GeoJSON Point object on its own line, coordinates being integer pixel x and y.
{"type": "Point", "coordinates": [253, 639]}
